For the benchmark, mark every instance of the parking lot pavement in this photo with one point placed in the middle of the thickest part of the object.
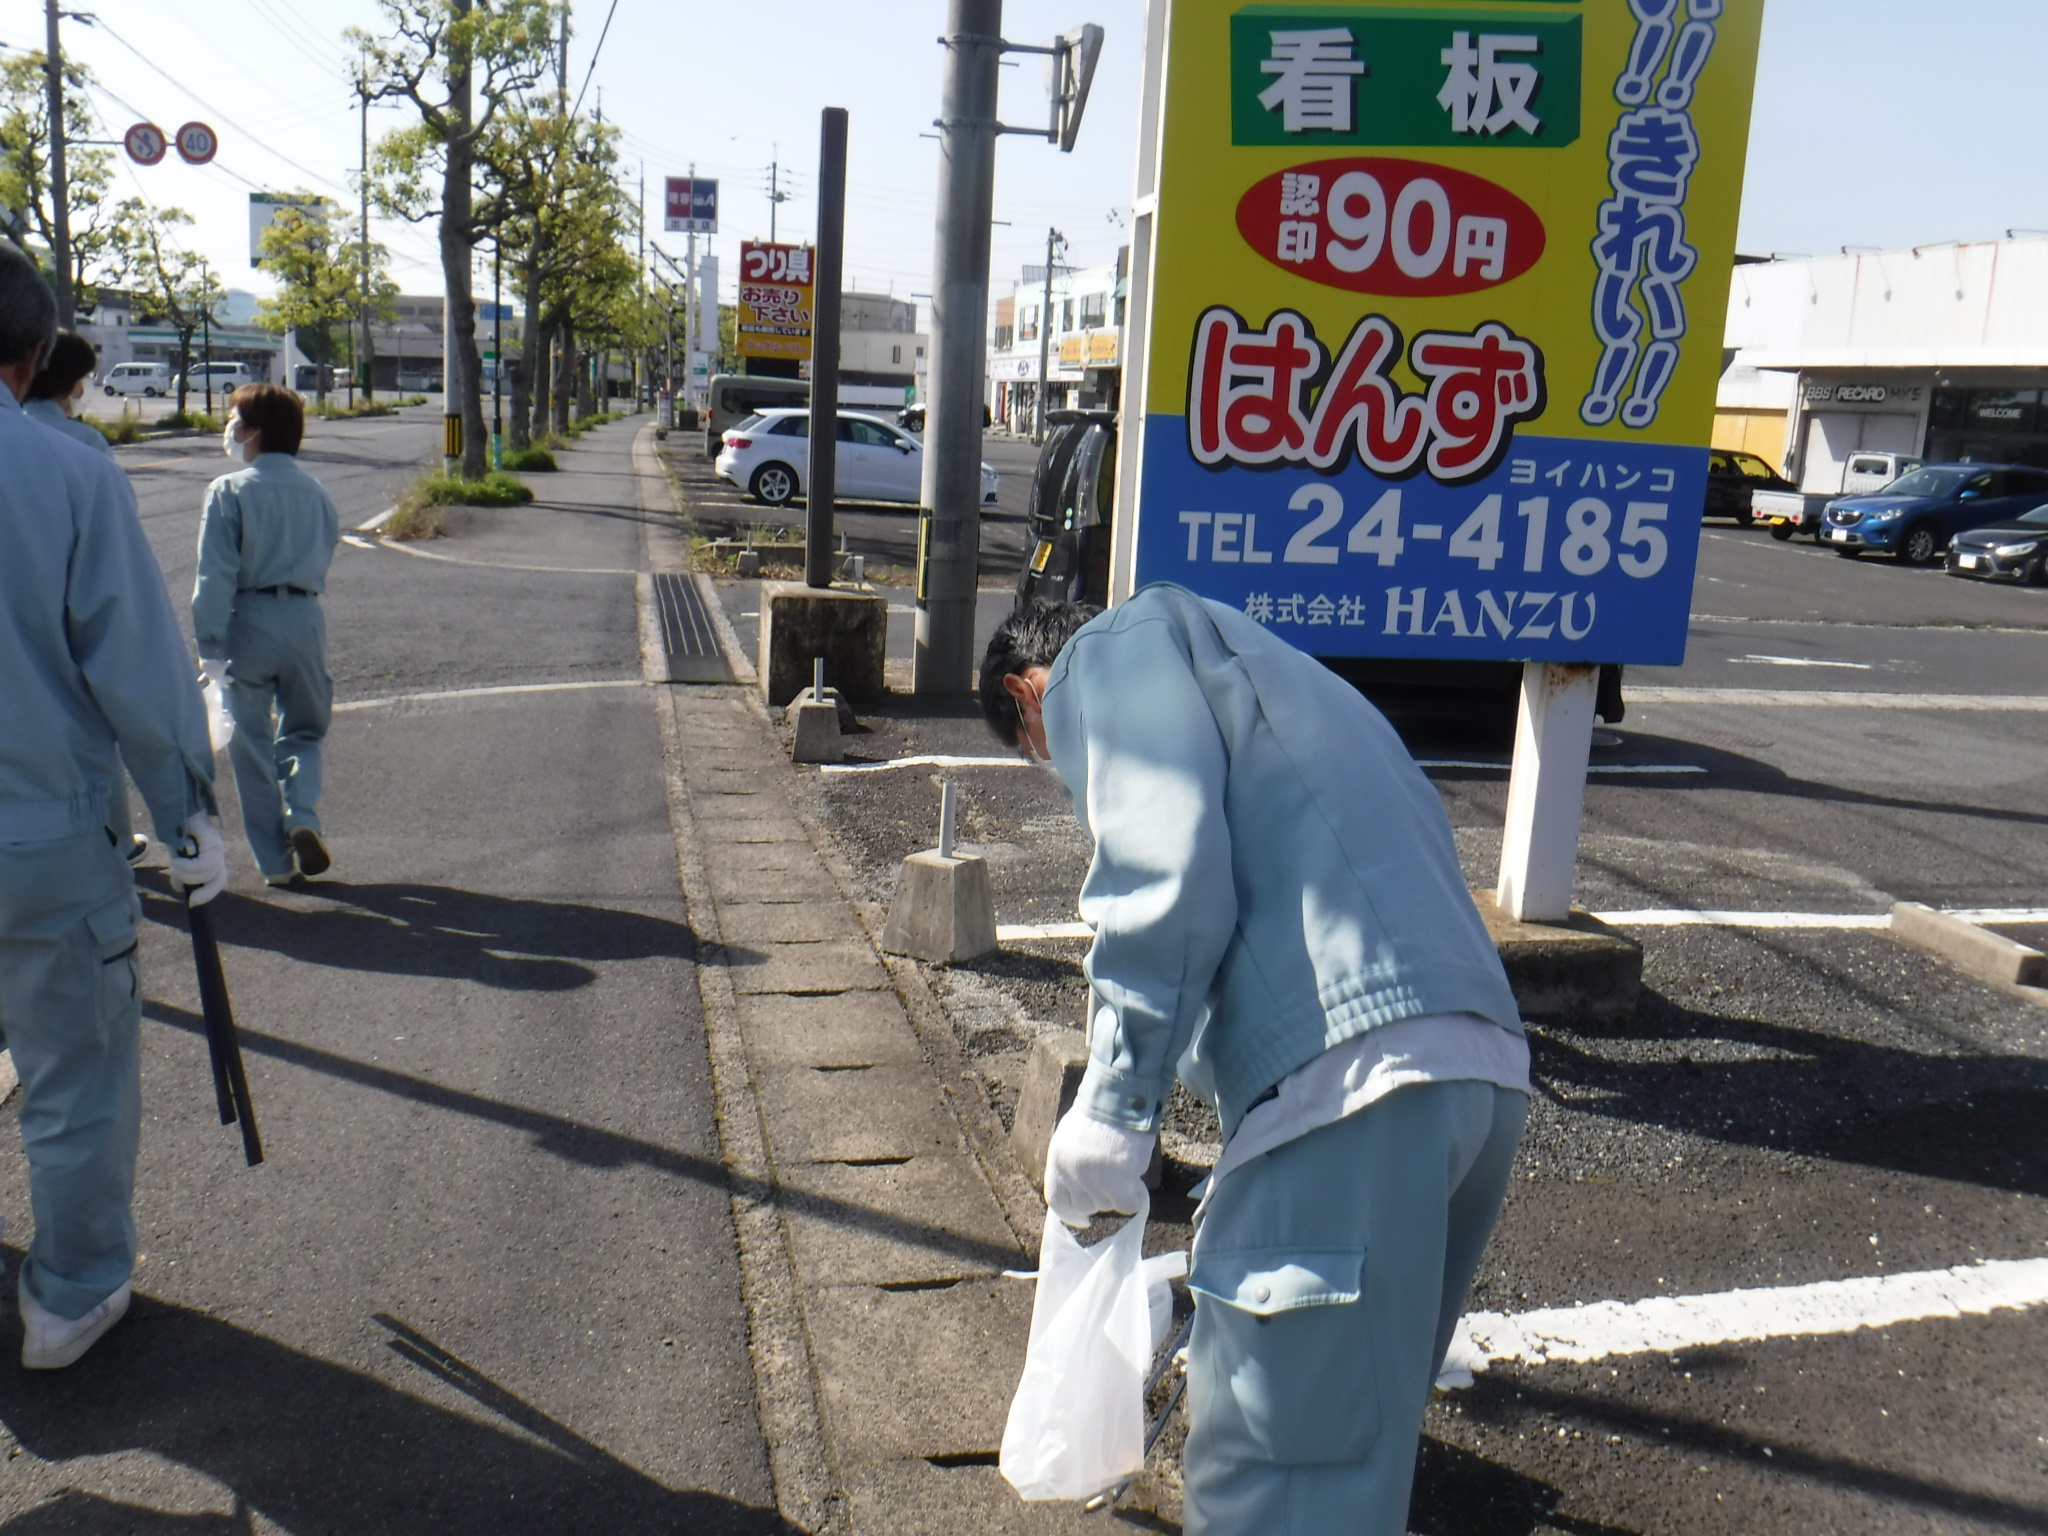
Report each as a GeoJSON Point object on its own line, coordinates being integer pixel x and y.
{"type": "Point", "coordinates": [1787, 1106]}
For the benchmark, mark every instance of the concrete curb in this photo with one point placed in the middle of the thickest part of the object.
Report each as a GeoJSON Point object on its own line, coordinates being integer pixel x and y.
{"type": "Point", "coordinates": [1970, 949]}
{"type": "Point", "coordinates": [807, 1484]}
{"type": "Point", "coordinates": [8, 1080]}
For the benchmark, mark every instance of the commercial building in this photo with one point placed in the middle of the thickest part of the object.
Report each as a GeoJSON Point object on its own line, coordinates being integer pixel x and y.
{"type": "Point", "coordinates": [1936, 350]}
{"type": "Point", "coordinates": [1083, 325]}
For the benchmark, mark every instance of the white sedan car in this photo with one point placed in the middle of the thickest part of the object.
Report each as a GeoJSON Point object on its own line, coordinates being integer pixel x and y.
{"type": "Point", "coordinates": [768, 456]}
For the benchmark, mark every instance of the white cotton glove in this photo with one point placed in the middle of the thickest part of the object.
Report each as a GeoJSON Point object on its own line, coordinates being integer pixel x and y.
{"type": "Point", "coordinates": [200, 865]}
{"type": "Point", "coordinates": [1093, 1166]}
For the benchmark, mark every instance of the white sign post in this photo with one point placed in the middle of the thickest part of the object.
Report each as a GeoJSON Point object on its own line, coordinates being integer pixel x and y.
{"type": "Point", "coordinates": [1539, 848]}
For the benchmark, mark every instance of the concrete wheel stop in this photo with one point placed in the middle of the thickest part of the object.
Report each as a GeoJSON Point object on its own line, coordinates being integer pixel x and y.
{"type": "Point", "coordinates": [945, 908]}
{"type": "Point", "coordinates": [1577, 969]}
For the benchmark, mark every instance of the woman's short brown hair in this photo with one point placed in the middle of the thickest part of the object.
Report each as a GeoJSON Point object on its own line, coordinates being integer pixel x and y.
{"type": "Point", "coordinates": [274, 411]}
{"type": "Point", "coordinates": [70, 358]}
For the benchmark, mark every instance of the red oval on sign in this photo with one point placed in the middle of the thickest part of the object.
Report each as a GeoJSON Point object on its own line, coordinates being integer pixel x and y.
{"type": "Point", "coordinates": [1401, 227]}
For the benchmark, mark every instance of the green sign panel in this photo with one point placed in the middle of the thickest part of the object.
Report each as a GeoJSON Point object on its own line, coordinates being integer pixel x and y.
{"type": "Point", "coordinates": [1393, 77]}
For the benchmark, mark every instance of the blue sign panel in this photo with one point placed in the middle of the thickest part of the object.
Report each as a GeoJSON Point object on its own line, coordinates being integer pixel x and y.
{"type": "Point", "coordinates": [1569, 549]}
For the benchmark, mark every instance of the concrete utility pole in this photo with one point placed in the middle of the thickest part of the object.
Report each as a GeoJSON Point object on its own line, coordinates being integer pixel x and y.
{"type": "Point", "coordinates": [1054, 240]}
{"type": "Point", "coordinates": [776, 196]}
{"type": "Point", "coordinates": [950, 544]}
{"type": "Point", "coordinates": [824, 454]}
{"type": "Point", "coordinates": [366, 361]}
{"type": "Point", "coordinates": [60, 185]}
{"type": "Point", "coordinates": [691, 319]}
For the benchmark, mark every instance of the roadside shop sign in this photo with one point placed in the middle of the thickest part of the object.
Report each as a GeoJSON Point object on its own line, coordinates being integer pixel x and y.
{"type": "Point", "coordinates": [775, 300]}
{"type": "Point", "coordinates": [1434, 318]}
{"type": "Point", "coordinates": [690, 205]}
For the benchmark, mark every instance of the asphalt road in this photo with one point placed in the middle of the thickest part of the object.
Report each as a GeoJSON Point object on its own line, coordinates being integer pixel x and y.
{"type": "Point", "coordinates": [1787, 1106]}
{"type": "Point", "coordinates": [486, 1280]}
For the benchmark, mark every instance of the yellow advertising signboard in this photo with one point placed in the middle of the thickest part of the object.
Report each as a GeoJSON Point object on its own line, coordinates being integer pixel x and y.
{"type": "Point", "coordinates": [1434, 318]}
{"type": "Point", "coordinates": [776, 285]}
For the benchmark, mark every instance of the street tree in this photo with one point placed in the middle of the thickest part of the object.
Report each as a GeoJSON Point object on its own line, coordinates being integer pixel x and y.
{"type": "Point", "coordinates": [26, 212]}
{"type": "Point", "coordinates": [319, 261]}
{"type": "Point", "coordinates": [458, 64]}
{"type": "Point", "coordinates": [167, 286]}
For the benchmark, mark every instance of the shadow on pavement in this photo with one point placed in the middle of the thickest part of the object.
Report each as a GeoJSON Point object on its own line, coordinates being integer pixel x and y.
{"type": "Point", "coordinates": [1509, 1398]}
{"type": "Point", "coordinates": [1975, 1118]}
{"type": "Point", "coordinates": [431, 930]}
{"type": "Point", "coordinates": [317, 1447]}
{"type": "Point", "coordinates": [1460, 1494]}
{"type": "Point", "coordinates": [592, 1146]}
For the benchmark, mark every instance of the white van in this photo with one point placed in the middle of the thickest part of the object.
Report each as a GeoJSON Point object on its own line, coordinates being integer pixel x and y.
{"type": "Point", "coordinates": [151, 379]}
{"type": "Point", "coordinates": [1870, 470]}
{"type": "Point", "coordinates": [226, 377]}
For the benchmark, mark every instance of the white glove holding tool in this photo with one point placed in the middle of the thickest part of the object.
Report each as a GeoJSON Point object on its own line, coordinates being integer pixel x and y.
{"type": "Point", "coordinates": [200, 862]}
{"type": "Point", "coordinates": [1093, 1166]}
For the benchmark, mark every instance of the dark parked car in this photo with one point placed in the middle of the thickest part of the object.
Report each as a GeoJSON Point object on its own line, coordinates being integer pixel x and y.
{"type": "Point", "coordinates": [2016, 550]}
{"type": "Point", "coordinates": [1733, 477]}
{"type": "Point", "coordinates": [1072, 512]}
{"type": "Point", "coordinates": [1915, 516]}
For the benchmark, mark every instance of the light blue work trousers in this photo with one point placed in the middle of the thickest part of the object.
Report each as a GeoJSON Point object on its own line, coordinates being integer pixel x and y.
{"type": "Point", "coordinates": [1329, 1275]}
{"type": "Point", "coordinates": [282, 696]}
{"type": "Point", "coordinates": [70, 1012]}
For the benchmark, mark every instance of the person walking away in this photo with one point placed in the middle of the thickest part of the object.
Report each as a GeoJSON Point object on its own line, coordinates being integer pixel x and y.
{"type": "Point", "coordinates": [1279, 916]}
{"type": "Point", "coordinates": [91, 661]}
{"type": "Point", "coordinates": [54, 394]}
{"type": "Point", "coordinates": [265, 541]}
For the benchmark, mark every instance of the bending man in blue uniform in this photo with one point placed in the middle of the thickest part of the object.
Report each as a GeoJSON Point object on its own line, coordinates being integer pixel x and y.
{"type": "Point", "coordinates": [1280, 918]}
{"type": "Point", "coordinates": [90, 661]}
{"type": "Point", "coordinates": [265, 540]}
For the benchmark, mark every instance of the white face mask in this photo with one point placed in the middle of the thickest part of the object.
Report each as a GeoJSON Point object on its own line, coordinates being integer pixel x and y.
{"type": "Point", "coordinates": [230, 444]}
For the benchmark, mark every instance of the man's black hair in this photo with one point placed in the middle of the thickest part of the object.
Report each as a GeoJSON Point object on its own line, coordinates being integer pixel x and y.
{"type": "Point", "coordinates": [1033, 638]}
{"type": "Point", "coordinates": [28, 310]}
{"type": "Point", "coordinates": [70, 358]}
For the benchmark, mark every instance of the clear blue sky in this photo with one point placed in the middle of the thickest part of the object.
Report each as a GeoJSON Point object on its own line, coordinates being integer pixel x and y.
{"type": "Point", "coordinates": [1878, 122]}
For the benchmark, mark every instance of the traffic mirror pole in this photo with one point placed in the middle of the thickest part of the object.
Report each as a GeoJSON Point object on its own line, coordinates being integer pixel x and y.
{"type": "Point", "coordinates": [949, 549]}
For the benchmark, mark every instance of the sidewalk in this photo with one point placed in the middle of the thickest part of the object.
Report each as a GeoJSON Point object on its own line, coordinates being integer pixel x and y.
{"type": "Point", "coordinates": [876, 1200]}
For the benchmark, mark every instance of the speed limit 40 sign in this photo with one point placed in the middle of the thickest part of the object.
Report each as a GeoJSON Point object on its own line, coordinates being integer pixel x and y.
{"type": "Point", "coordinates": [197, 143]}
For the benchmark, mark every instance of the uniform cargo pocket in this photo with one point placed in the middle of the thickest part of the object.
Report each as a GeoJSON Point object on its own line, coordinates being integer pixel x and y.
{"type": "Point", "coordinates": [1284, 1359]}
{"type": "Point", "coordinates": [113, 929]}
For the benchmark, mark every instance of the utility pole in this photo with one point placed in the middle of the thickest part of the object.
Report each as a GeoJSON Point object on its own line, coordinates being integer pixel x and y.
{"type": "Point", "coordinates": [949, 546]}
{"type": "Point", "coordinates": [690, 315]}
{"type": "Point", "coordinates": [776, 196]}
{"type": "Point", "coordinates": [366, 363]}
{"type": "Point", "coordinates": [640, 273]}
{"type": "Point", "coordinates": [206, 330]}
{"type": "Point", "coordinates": [1053, 239]}
{"type": "Point", "coordinates": [498, 349]}
{"type": "Point", "coordinates": [60, 185]}
{"type": "Point", "coordinates": [824, 452]}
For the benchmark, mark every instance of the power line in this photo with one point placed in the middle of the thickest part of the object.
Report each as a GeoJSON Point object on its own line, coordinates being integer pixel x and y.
{"type": "Point", "coordinates": [602, 33]}
{"type": "Point", "coordinates": [253, 138]}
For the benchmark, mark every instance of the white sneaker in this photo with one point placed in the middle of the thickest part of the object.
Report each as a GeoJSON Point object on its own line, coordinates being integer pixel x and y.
{"type": "Point", "coordinates": [50, 1342]}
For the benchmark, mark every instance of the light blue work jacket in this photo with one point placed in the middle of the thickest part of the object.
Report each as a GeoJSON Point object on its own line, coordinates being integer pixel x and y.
{"type": "Point", "coordinates": [1273, 874]}
{"type": "Point", "coordinates": [267, 525]}
{"type": "Point", "coordinates": [90, 654]}
{"type": "Point", "coordinates": [51, 414]}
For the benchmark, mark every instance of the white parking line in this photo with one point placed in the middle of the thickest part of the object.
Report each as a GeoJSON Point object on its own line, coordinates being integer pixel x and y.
{"type": "Point", "coordinates": [937, 761]}
{"type": "Point", "coordinates": [484, 693]}
{"type": "Point", "coordinates": [1801, 661]}
{"type": "Point", "coordinates": [2020, 703]}
{"type": "Point", "coordinates": [1665, 1323]}
{"type": "Point", "coordinates": [1452, 762]}
{"type": "Point", "coordinates": [1674, 917]}
{"type": "Point", "coordinates": [378, 521]}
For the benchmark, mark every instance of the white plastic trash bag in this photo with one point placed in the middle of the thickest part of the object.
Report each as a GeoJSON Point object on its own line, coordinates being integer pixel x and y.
{"type": "Point", "coordinates": [1077, 1423]}
{"type": "Point", "coordinates": [220, 725]}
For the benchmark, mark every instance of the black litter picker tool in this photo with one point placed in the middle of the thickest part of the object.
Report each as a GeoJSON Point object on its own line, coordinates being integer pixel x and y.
{"type": "Point", "coordinates": [230, 1083]}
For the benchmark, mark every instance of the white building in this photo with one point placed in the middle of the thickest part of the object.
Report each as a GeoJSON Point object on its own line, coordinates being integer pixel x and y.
{"type": "Point", "coordinates": [1939, 350]}
{"type": "Point", "coordinates": [1085, 326]}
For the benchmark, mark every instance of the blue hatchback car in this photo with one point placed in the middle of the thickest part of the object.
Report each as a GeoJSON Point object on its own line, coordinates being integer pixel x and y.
{"type": "Point", "coordinates": [1913, 518]}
